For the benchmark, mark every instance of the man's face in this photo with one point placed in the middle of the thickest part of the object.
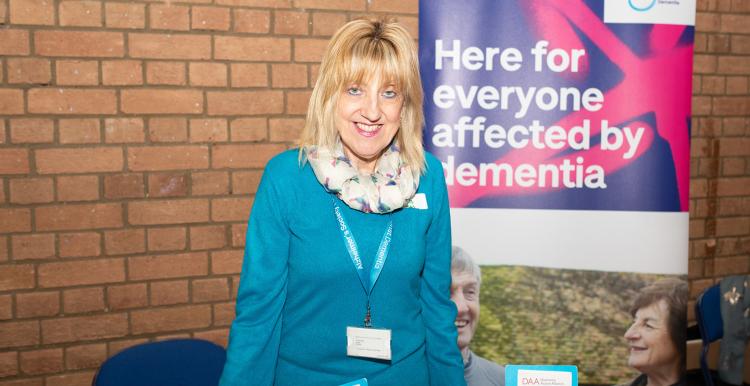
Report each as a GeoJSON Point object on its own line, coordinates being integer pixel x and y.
{"type": "Point", "coordinates": [465, 293]}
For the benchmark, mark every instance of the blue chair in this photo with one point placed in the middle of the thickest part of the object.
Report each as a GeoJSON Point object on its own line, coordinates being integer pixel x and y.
{"type": "Point", "coordinates": [180, 362]}
{"type": "Point", "coordinates": [708, 314]}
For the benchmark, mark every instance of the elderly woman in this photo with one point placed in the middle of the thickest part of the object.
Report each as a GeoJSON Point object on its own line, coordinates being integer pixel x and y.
{"type": "Point", "coordinates": [346, 273]}
{"type": "Point", "coordinates": [657, 336]}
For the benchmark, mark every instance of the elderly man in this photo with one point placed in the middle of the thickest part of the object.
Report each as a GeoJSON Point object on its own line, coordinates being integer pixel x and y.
{"type": "Point", "coordinates": [466, 278]}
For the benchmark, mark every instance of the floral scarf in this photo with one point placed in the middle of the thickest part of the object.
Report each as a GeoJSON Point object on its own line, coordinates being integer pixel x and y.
{"type": "Point", "coordinates": [390, 187]}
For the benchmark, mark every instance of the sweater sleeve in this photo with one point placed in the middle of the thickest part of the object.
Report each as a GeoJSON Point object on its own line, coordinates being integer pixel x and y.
{"type": "Point", "coordinates": [438, 311]}
{"type": "Point", "coordinates": [255, 334]}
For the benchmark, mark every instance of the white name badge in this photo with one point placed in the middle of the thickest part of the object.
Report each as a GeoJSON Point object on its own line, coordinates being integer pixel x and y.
{"type": "Point", "coordinates": [540, 375]}
{"type": "Point", "coordinates": [358, 382]}
{"type": "Point", "coordinates": [419, 201]}
{"type": "Point", "coordinates": [368, 343]}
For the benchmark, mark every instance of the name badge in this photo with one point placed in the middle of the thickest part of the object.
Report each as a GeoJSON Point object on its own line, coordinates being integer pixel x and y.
{"type": "Point", "coordinates": [358, 382]}
{"type": "Point", "coordinates": [368, 343]}
{"type": "Point", "coordinates": [538, 375]}
{"type": "Point", "coordinates": [419, 201]}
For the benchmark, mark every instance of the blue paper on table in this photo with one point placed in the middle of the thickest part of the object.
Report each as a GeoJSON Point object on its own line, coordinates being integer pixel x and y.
{"type": "Point", "coordinates": [358, 382]}
{"type": "Point", "coordinates": [541, 375]}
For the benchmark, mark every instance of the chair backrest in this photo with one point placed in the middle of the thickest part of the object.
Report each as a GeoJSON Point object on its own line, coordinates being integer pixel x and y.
{"type": "Point", "coordinates": [708, 314]}
{"type": "Point", "coordinates": [180, 362]}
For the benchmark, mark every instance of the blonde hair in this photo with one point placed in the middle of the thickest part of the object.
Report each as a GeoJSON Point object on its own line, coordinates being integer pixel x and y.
{"type": "Point", "coordinates": [358, 51]}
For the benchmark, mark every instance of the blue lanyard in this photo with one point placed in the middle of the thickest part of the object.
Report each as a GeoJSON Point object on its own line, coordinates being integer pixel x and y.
{"type": "Point", "coordinates": [368, 282]}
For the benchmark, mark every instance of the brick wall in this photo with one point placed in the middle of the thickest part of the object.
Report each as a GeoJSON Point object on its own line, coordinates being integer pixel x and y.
{"type": "Point", "coordinates": [133, 135]}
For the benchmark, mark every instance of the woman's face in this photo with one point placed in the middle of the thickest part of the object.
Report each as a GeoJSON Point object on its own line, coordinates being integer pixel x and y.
{"type": "Point", "coordinates": [368, 116]}
{"type": "Point", "coordinates": [651, 349]}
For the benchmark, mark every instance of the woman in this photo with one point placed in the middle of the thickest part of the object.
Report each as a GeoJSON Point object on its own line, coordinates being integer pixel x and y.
{"type": "Point", "coordinates": [346, 273]}
{"type": "Point", "coordinates": [656, 338]}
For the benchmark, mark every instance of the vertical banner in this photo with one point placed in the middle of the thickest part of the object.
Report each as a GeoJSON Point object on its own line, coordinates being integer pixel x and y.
{"type": "Point", "coordinates": [563, 127]}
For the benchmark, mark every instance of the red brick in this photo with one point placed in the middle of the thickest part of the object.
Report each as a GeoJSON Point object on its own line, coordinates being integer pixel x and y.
{"type": "Point", "coordinates": [31, 130]}
{"type": "Point", "coordinates": [731, 266]}
{"type": "Point", "coordinates": [309, 50]}
{"type": "Point", "coordinates": [733, 226]}
{"type": "Point", "coordinates": [81, 13]}
{"type": "Point", "coordinates": [170, 73]}
{"type": "Point", "coordinates": [210, 183]}
{"type": "Point", "coordinates": [167, 158]}
{"type": "Point", "coordinates": [740, 44]}
{"type": "Point", "coordinates": [72, 101]}
{"type": "Point", "coordinates": [326, 23]}
{"type": "Point", "coordinates": [208, 74]}
{"type": "Point", "coordinates": [249, 75]}
{"type": "Point", "coordinates": [11, 101]}
{"type": "Point", "coordinates": [737, 85]}
{"type": "Point", "coordinates": [123, 186]}
{"type": "Point", "coordinates": [231, 209]}
{"type": "Point", "coordinates": [124, 130]}
{"type": "Point", "coordinates": [171, 319]}
{"type": "Point", "coordinates": [730, 23]}
{"type": "Point", "coordinates": [3, 138]}
{"type": "Point", "coordinates": [169, 17]}
{"type": "Point", "coordinates": [155, 212]}
{"type": "Point", "coordinates": [296, 102]}
{"type": "Point", "coordinates": [245, 102]}
{"type": "Point", "coordinates": [252, 21]}
{"type": "Point", "coordinates": [37, 304]}
{"type": "Point", "coordinates": [79, 131]}
{"type": "Point", "coordinates": [87, 356]}
{"type": "Point", "coordinates": [79, 216]}
{"type": "Point", "coordinates": [84, 328]}
{"type": "Point", "coordinates": [72, 379]}
{"type": "Point", "coordinates": [731, 105]}
{"type": "Point", "coordinates": [226, 262]}
{"type": "Point", "coordinates": [17, 334]}
{"type": "Point", "coordinates": [120, 345]}
{"type": "Point", "coordinates": [734, 65]}
{"type": "Point", "coordinates": [167, 266]}
{"type": "Point", "coordinates": [252, 48]}
{"type": "Point", "coordinates": [167, 129]}
{"type": "Point", "coordinates": [286, 129]}
{"type": "Point", "coordinates": [79, 43]}
{"type": "Point", "coordinates": [246, 182]}
{"type": "Point", "coordinates": [83, 300]}
{"type": "Point", "coordinates": [125, 241]}
{"type": "Point", "coordinates": [244, 156]}
{"type": "Point", "coordinates": [127, 296]}
{"type": "Point", "coordinates": [291, 23]}
{"type": "Point", "coordinates": [39, 12]}
{"type": "Point", "coordinates": [223, 314]}
{"type": "Point", "coordinates": [210, 18]}
{"type": "Point", "coordinates": [77, 72]}
{"type": "Point", "coordinates": [210, 290]}
{"type": "Point", "coordinates": [208, 130]}
{"type": "Point", "coordinates": [208, 237]}
{"type": "Point", "coordinates": [166, 239]}
{"type": "Point", "coordinates": [704, 64]}
{"type": "Point", "coordinates": [82, 244]}
{"type": "Point", "coordinates": [718, 43]}
{"type": "Point", "coordinates": [31, 190]}
{"type": "Point", "coordinates": [258, 3]}
{"type": "Point", "coordinates": [15, 220]}
{"type": "Point", "coordinates": [169, 292]}
{"type": "Point", "coordinates": [339, 5]}
{"type": "Point", "coordinates": [24, 382]}
{"type": "Point", "coordinates": [158, 46]}
{"type": "Point", "coordinates": [33, 246]}
{"type": "Point", "coordinates": [122, 72]}
{"type": "Point", "coordinates": [158, 101]}
{"type": "Point", "coordinates": [288, 75]}
{"type": "Point", "coordinates": [29, 70]}
{"type": "Point", "coordinates": [714, 85]}
{"type": "Point", "coordinates": [79, 160]}
{"type": "Point", "coordinates": [14, 42]}
{"type": "Point", "coordinates": [125, 15]}
{"type": "Point", "coordinates": [168, 185]}
{"type": "Point", "coordinates": [77, 188]}
{"type": "Point", "coordinates": [394, 6]}
{"type": "Point", "coordinates": [249, 130]}
{"type": "Point", "coordinates": [8, 364]}
{"type": "Point", "coordinates": [42, 361]}
{"type": "Point", "coordinates": [6, 309]}
{"type": "Point", "coordinates": [238, 235]}
{"type": "Point", "coordinates": [219, 337]}
{"type": "Point", "coordinates": [84, 272]}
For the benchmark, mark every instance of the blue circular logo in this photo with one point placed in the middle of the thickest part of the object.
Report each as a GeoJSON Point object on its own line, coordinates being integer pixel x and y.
{"type": "Point", "coordinates": [641, 5]}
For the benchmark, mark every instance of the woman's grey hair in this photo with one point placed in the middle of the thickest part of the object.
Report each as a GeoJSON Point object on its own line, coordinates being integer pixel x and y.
{"type": "Point", "coordinates": [462, 262]}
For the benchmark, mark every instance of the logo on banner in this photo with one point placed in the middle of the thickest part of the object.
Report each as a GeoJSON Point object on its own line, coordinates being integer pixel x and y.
{"type": "Point", "coordinates": [641, 5]}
